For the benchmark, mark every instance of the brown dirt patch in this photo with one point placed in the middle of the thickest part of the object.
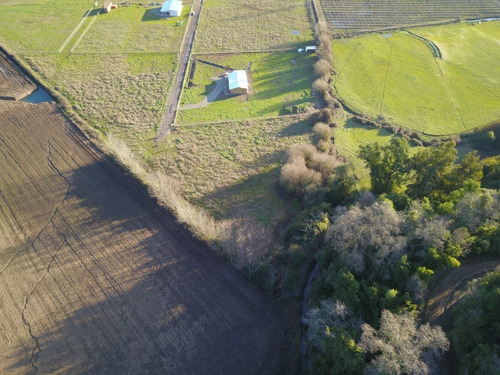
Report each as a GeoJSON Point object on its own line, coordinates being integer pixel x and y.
{"type": "Point", "coordinates": [13, 84]}
{"type": "Point", "coordinates": [95, 278]}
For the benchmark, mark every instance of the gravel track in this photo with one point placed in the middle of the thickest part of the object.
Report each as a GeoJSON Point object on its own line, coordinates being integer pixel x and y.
{"type": "Point", "coordinates": [96, 279]}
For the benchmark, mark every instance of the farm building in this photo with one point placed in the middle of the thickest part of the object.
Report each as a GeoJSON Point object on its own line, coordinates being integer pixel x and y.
{"type": "Point", "coordinates": [311, 49]}
{"type": "Point", "coordinates": [171, 8]}
{"type": "Point", "coordinates": [107, 6]}
{"type": "Point", "coordinates": [237, 82]}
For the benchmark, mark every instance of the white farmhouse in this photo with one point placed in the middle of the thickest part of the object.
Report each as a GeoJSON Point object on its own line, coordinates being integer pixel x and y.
{"type": "Point", "coordinates": [237, 82]}
{"type": "Point", "coordinates": [171, 8]}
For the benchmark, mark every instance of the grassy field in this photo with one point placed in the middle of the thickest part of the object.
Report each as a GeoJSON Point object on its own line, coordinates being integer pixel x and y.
{"type": "Point", "coordinates": [116, 68]}
{"type": "Point", "coordinates": [245, 25]}
{"type": "Point", "coordinates": [360, 15]}
{"type": "Point", "coordinates": [395, 76]}
{"type": "Point", "coordinates": [278, 80]}
{"type": "Point", "coordinates": [126, 100]}
{"type": "Point", "coordinates": [135, 29]}
{"type": "Point", "coordinates": [349, 138]}
{"type": "Point", "coordinates": [41, 26]}
{"type": "Point", "coordinates": [231, 168]}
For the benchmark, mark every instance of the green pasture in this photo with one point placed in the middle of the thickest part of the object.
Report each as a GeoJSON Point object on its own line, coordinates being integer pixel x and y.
{"type": "Point", "coordinates": [135, 29]}
{"type": "Point", "coordinates": [231, 168]}
{"type": "Point", "coordinates": [41, 26]}
{"type": "Point", "coordinates": [246, 25]}
{"type": "Point", "coordinates": [278, 80]}
{"type": "Point", "coordinates": [394, 76]}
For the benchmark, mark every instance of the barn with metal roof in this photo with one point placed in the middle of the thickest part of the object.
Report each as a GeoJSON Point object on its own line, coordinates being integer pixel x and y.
{"type": "Point", "coordinates": [237, 82]}
{"type": "Point", "coordinates": [171, 8]}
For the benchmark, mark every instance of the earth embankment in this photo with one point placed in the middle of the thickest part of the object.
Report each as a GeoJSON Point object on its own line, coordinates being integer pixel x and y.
{"type": "Point", "coordinates": [96, 279]}
{"type": "Point", "coordinates": [14, 85]}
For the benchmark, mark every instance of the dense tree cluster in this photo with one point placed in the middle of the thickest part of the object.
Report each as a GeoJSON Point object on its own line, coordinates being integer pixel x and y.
{"type": "Point", "coordinates": [378, 251]}
{"type": "Point", "coordinates": [476, 328]}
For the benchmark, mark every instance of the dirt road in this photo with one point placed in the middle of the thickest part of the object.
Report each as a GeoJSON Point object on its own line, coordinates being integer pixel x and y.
{"type": "Point", "coordinates": [175, 94]}
{"type": "Point", "coordinates": [96, 279]}
{"type": "Point", "coordinates": [444, 296]}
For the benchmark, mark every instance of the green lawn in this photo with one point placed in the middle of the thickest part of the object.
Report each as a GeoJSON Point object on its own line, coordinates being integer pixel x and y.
{"type": "Point", "coordinates": [41, 26]}
{"type": "Point", "coordinates": [410, 87]}
{"type": "Point", "coordinates": [135, 29]}
{"type": "Point", "coordinates": [278, 80]}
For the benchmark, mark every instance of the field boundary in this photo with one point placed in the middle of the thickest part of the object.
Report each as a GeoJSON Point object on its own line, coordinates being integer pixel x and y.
{"type": "Point", "coordinates": [300, 116]}
{"type": "Point", "coordinates": [82, 35]}
{"type": "Point", "coordinates": [352, 34]}
{"type": "Point", "coordinates": [436, 52]}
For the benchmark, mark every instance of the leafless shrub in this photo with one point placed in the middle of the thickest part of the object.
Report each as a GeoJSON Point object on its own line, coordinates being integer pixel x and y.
{"type": "Point", "coordinates": [330, 101]}
{"type": "Point", "coordinates": [246, 243]}
{"type": "Point", "coordinates": [324, 41]}
{"type": "Point", "coordinates": [323, 68]}
{"type": "Point", "coordinates": [320, 86]}
{"type": "Point", "coordinates": [301, 151]}
{"type": "Point", "coordinates": [323, 163]}
{"type": "Point", "coordinates": [400, 346]}
{"type": "Point", "coordinates": [295, 177]}
{"type": "Point", "coordinates": [322, 131]}
{"type": "Point", "coordinates": [324, 146]}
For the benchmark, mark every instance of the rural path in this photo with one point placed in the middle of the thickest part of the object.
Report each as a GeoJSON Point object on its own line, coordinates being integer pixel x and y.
{"type": "Point", "coordinates": [444, 296]}
{"type": "Point", "coordinates": [175, 93]}
{"type": "Point", "coordinates": [212, 95]}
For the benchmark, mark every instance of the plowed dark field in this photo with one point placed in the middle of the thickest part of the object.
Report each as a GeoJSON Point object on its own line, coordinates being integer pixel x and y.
{"type": "Point", "coordinates": [13, 84]}
{"type": "Point", "coordinates": [361, 15]}
{"type": "Point", "coordinates": [96, 279]}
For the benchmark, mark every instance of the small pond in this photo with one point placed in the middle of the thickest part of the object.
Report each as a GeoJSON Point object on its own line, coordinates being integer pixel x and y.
{"type": "Point", "coordinates": [294, 32]}
{"type": "Point", "coordinates": [38, 96]}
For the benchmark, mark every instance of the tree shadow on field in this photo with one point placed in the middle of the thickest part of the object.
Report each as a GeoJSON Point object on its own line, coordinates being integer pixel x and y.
{"type": "Point", "coordinates": [151, 15]}
{"type": "Point", "coordinates": [296, 128]}
{"type": "Point", "coordinates": [130, 291]}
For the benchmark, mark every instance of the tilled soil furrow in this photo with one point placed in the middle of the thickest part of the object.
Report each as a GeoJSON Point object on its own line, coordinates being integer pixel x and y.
{"type": "Point", "coordinates": [104, 280]}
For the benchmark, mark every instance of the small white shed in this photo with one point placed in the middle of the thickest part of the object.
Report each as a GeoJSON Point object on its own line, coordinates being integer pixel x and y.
{"type": "Point", "coordinates": [237, 82]}
{"type": "Point", "coordinates": [171, 8]}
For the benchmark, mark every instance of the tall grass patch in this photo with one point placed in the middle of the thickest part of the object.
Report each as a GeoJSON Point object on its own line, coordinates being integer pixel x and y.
{"type": "Point", "coordinates": [245, 25]}
{"type": "Point", "coordinates": [127, 100]}
{"type": "Point", "coordinates": [231, 168]}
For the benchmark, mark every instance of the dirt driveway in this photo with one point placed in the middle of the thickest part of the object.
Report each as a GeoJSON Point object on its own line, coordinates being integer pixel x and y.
{"type": "Point", "coordinates": [96, 279]}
